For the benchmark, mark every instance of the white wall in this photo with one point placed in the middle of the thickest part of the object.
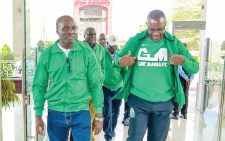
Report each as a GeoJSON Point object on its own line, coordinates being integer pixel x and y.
{"type": "Point", "coordinates": [6, 36]}
{"type": "Point", "coordinates": [215, 28]}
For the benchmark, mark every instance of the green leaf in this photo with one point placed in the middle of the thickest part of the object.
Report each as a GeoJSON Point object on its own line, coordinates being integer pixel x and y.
{"type": "Point", "coordinates": [6, 48]}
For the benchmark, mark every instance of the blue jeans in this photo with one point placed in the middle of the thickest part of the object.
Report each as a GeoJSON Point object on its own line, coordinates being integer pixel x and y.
{"type": "Point", "coordinates": [111, 111]}
{"type": "Point", "coordinates": [154, 116]}
{"type": "Point", "coordinates": [126, 111]}
{"type": "Point", "coordinates": [59, 124]}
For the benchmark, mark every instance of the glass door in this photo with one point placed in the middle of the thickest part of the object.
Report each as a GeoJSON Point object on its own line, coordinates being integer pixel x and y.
{"type": "Point", "coordinates": [212, 79]}
{"type": "Point", "coordinates": [40, 33]}
{"type": "Point", "coordinates": [28, 63]}
{"type": "Point", "coordinates": [31, 54]}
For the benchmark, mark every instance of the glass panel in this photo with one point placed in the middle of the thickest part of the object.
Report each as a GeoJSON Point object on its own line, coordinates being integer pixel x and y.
{"type": "Point", "coordinates": [82, 13]}
{"type": "Point", "coordinates": [36, 41]}
{"type": "Point", "coordinates": [93, 16]}
{"type": "Point", "coordinates": [214, 71]}
{"type": "Point", "coordinates": [213, 81]}
{"type": "Point", "coordinates": [104, 27]}
{"type": "Point", "coordinates": [28, 74]}
{"type": "Point", "coordinates": [221, 45]}
{"type": "Point", "coordinates": [103, 12]}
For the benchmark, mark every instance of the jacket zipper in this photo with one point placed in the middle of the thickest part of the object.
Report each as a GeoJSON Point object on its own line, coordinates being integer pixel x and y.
{"type": "Point", "coordinates": [66, 83]}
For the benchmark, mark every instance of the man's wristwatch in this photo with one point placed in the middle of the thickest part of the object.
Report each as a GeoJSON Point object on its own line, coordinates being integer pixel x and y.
{"type": "Point", "coordinates": [99, 119]}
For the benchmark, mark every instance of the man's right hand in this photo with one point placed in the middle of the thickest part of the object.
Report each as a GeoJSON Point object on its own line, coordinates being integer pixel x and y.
{"type": "Point", "coordinates": [126, 60]}
{"type": "Point", "coordinates": [40, 125]}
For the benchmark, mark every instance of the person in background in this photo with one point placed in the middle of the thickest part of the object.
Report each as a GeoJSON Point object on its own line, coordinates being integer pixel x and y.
{"type": "Point", "coordinates": [99, 51]}
{"type": "Point", "coordinates": [113, 82]}
{"type": "Point", "coordinates": [103, 40]}
{"type": "Point", "coordinates": [185, 79]}
{"type": "Point", "coordinates": [126, 115]}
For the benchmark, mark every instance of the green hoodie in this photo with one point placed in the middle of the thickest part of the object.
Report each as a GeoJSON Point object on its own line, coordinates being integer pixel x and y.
{"type": "Point", "coordinates": [175, 46]}
{"type": "Point", "coordinates": [114, 76]}
{"type": "Point", "coordinates": [70, 89]}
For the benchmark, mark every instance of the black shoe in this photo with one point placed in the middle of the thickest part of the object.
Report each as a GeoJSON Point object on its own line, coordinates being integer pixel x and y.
{"type": "Point", "coordinates": [174, 117]}
{"type": "Point", "coordinates": [184, 116]}
{"type": "Point", "coordinates": [108, 138]}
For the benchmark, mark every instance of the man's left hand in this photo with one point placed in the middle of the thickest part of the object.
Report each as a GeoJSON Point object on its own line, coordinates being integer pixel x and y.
{"type": "Point", "coordinates": [97, 125]}
{"type": "Point", "coordinates": [176, 59]}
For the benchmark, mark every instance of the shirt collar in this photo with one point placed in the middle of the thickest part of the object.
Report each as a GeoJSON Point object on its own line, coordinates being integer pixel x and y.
{"type": "Point", "coordinates": [76, 47]}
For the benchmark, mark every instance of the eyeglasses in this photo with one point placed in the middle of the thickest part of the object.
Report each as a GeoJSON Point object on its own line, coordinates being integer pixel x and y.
{"type": "Point", "coordinates": [158, 30]}
{"type": "Point", "coordinates": [68, 64]}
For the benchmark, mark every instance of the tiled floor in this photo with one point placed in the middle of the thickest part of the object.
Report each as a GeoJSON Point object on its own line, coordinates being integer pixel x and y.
{"type": "Point", "coordinates": [192, 129]}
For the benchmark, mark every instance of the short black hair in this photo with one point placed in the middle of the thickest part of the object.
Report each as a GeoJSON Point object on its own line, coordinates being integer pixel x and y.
{"type": "Point", "coordinates": [61, 17]}
{"type": "Point", "coordinates": [156, 14]}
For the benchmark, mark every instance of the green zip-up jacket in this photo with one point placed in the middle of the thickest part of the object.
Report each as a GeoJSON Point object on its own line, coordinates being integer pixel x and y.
{"type": "Point", "coordinates": [73, 81]}
{"type": "Point", "coordinates": [114, 76]}
{"type": "Point", "coordinates": [100, 55]}
{"type": "Point", "coordinates": [175, 46]}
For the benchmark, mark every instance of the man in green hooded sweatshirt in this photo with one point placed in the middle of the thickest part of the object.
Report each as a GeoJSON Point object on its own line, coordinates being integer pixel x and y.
{"type": "Point", "coordinates": [152, 83]}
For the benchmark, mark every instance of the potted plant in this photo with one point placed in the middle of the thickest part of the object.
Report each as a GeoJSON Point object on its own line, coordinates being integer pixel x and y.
{"type": "Point", "coordinates": [7, 86]}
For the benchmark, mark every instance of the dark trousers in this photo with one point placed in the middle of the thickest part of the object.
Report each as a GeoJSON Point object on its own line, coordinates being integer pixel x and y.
{"type": "Point", "coordinates": [111, 111]}
{"type": "Point", "coordinates": [126, 111]}
{"type": "Point", "coordinates": [184, 108]}
{"type": "Point", "coordinates": [154, 116]}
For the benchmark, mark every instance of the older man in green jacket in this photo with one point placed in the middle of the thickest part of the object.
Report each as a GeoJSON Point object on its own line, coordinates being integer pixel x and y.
{"type": "Point", "coordinates": [90, 38]}
{"type": "Point", "coordinates": [74, 76]}
{"type": "Point", "coordinates": [152, 83]}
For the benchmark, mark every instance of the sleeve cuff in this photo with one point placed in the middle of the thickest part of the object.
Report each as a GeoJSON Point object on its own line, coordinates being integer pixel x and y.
{"type": "Point", "coordinates": [38, 112]}
{"type": "Point", "coordinates": [98, 110]}
{"type": "Point", "coordinates": [185, 64]}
